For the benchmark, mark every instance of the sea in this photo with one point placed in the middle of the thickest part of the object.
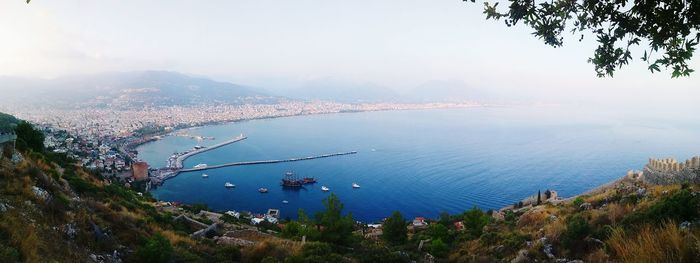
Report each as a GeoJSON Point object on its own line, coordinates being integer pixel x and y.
{"type": "Point", "coordinates": [420, 162]}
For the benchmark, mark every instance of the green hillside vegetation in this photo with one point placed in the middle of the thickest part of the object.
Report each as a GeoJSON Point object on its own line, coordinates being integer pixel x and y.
{"type": "Point", "coordinates": [7, 122]}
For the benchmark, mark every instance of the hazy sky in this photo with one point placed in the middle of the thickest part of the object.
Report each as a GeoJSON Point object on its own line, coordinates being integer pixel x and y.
{"type": "Point", "coordinates": [398, 44]}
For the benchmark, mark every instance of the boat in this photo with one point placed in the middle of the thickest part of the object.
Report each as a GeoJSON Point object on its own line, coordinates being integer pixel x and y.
{"type": "Point", "coordinates": [201, 165]}
{"type": "Point", "coordinates": [262, 190]}
{"type": "Point", "coordinates": [325, 189]}
{"type": "Point", "coordinates": [229, 185]}
{"type": "Point", "coordinates": [290, 180]}
{"type": "Point", "coordinates": [205, 175]}
{"type": "Point", "coordinates": [309, 180]}
{"type": "Point", "coordinates": [285, 202]}
{"type": "Point", "coordinates": [355, 185]}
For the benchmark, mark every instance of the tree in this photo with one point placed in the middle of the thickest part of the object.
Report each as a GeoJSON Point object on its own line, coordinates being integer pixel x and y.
{"type": "Point", "coordinates": [439, 248]}
{"type": "Point", "coordinates": [547, 194]}
{"type": "Point", "coordinates": [539, 197]}
{"type": "Point", "coordinates": [475, 220]}
{"type": "Point", "coordinates": [667, 27]}
{"type": "Point", "coordinates": [337, 229]}
{"type": "Point", "coordinates": [28, 137]}
{"type": "Point", "coordinates": [156, 250]}
{"type": "Point", "coordinates": [394, 230]}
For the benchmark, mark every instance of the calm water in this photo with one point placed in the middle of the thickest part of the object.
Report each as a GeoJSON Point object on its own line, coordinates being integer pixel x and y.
{"type": "Point", "coordinates": [422, 162]}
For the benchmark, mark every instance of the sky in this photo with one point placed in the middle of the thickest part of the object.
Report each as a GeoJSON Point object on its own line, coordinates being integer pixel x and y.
{"type": "Point", "coordinates": [280, 44]}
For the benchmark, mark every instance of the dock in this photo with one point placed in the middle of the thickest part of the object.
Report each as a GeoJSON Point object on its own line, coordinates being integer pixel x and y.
{"type": "Point", "coordinates": [267, 161]}
{"type": "Point", "coordinates": [178, 164]}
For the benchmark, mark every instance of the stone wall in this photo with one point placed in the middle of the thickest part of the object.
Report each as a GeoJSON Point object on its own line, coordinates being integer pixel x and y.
{"type": "Point", "coordinates": [669, 171]}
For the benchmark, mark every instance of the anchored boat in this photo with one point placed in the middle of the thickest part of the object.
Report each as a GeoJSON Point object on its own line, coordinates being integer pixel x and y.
{"type": "Point", "coordinates": [229, 185]}
{"type": "Point", "coordinates": [201, 165]}
{"type": "Point", "coordinates": [325, 189]}
{"type": "Point", "coordinates": [262, 190]}
{"type": "Point", "coordinates": [205, 175]}
{"type": "Point", "coordinates": [355, 185]}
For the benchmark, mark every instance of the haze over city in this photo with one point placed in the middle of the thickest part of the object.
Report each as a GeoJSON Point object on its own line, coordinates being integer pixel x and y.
{"type": "Point", "coordinates": [280, 46]}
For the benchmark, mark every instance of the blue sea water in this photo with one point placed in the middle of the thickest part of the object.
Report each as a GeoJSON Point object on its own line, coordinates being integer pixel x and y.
{"type": "Point", "coordinates": [421, 162]}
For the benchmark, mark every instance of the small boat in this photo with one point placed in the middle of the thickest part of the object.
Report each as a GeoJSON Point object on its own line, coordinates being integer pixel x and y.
{"type": "Point", "coordinates": [205, 175]}
{"type": "Point", "coordinates": [325, 189]}
{"type": "Point", "coordinates": [201, 165]}
{"type": "Point", "coordinates": [285, 202]}
{"type": "Point", "coordinates": [355, 185]}
{"type": "Point", "coordinates": [262, 190]}
{"type": "Point", "coordinates": [229, 185]}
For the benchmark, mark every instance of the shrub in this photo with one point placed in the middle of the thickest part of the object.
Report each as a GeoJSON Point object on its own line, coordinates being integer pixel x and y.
{"type": "Point", "coordinates": [576, 230]}
{"type": "Point", "coordinates": [681, 206]}
{"type": "Point", "coordinates": [578, 201]}
{"type": "Point", "coordinates": [156, 250]}
{"type": "Point", "coordinates": [439, 248]}
{"type": "Point", "coordinates": [227, 254]}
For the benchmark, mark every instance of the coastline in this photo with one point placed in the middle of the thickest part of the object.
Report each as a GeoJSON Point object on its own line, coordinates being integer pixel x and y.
{"type": "Point", "coordinates": [145, 139]}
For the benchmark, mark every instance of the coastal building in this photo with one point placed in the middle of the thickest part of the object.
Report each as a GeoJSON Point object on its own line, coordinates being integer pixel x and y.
{"type": "Point", "coordinates": [139, 171]}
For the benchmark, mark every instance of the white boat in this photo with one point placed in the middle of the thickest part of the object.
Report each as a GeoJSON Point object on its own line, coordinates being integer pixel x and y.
{"type": "Point", "coordinates": [355, 185]}
{"type": "Point", "coordinates": [205, 175]}
{"type": "Point", "coordinates": [325, 189]}
{"type": "Point", "coordinates": [262, 190]}
{"type": "Point", "coordinates": [229, 185]}
{"type": "Point", "coordinates": [285, 202]}
{"type": "Point", "coordinates": [201, 165]}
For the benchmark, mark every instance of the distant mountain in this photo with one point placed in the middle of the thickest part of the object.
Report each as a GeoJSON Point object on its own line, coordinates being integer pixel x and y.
{"type": "Point", "coordinates": [129, 89]}
{"type": "Point", "coordinates": [445, 91]}
{"type": "Point", "coordinates": [342, 91]}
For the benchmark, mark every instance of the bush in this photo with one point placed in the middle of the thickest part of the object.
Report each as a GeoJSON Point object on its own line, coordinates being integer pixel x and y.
{"type": "Point", "coordinates": [156, 250]}
{"type": "Point", "coordinates": [227, 254]}
{"type": "Point", "coordinates": [438, 248]}
{"type": "Point", "coordinates": [681, 206]}
{"type": "Point", "coordinates": [576, 230]}
{"type": "Point", "coordinates": [578, 201]}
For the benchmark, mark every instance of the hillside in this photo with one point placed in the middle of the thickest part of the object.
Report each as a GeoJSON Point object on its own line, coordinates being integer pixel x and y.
{"type": "Point", "coordinates": [128, 90]}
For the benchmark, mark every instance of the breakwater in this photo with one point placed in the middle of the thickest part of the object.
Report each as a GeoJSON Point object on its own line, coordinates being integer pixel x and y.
{"type": "Point", "coordinates": [267, 161]}
{"type": "Point", "coordinates": [180, 159]}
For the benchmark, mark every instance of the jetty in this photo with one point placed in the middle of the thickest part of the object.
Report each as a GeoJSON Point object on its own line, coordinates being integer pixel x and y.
{"type": "Point", "coordinates": [180, 159]}
{"type": "Point", "coordinates": [267, 161]}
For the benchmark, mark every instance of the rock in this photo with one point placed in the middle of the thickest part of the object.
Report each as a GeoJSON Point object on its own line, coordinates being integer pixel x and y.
{"type": "Point", "coordinates": [641, 191]}
{"type": "Point", "coordinates": [4, 207]}
{"type": "Point", "coordinates": [70, 231]}
{"type": "Point", "coordinates": [586, 206]}
{"type": "Point", "coordinates": [41, 193]}
{"type": "Point", "coordinates": [224, 240]}
{"type": "Point", "coordinates": [685, 225]}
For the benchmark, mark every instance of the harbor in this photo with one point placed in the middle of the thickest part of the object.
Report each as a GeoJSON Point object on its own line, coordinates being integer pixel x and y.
{"type": "Point", "coordinates": [176, 161]}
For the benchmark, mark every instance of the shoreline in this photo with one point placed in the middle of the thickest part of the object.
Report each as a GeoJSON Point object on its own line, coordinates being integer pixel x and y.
{"type": "Point", "coordinates": [145, 139]}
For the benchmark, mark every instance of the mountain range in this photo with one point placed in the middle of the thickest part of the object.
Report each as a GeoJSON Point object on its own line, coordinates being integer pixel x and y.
{"type": "Point", "coordinates": [165, 88]}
